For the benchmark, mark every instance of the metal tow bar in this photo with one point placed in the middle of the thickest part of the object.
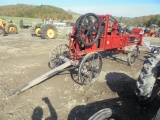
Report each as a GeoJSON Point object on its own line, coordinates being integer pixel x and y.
{"type": "Point", "coordinates": [43, 77]}
{"type": "Point", "coordinates": [149, 46]}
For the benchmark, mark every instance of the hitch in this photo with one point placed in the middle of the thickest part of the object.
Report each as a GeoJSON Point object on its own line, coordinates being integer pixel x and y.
{"type": "Point", "coordinates": [45, 76]}
{"type": "Point", "coordinates": [152, 48]}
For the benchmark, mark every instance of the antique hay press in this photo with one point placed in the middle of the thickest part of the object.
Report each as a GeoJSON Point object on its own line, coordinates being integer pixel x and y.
{"type": "Point", "coordinates": [90, 35]}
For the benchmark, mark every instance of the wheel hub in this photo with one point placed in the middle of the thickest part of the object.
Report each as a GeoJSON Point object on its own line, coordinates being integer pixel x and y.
{"type": "Point", "coordinates": [37, 31]}
{"type": "Point", "coordinates": [12, 29]}
{"type": "Point", "coordinates": [50, 33]}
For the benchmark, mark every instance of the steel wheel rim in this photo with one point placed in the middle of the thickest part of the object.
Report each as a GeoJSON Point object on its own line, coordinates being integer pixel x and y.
{"type": "Point", "coordinates": [60, 50]}
{"type": "Point", "coordinates": [50, 33]}
{"type": "Point", "coordinates": [90, 68]}
{"type": "Point", "coordinates": [133, 56]}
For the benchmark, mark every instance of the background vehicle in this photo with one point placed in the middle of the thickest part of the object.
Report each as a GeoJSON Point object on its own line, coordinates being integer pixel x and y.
{"type": "Point", "coordinates": [147, 86]}
{"type": "Point", "coordinates": [152, 31]}
{"type": "Point", "coordinates": [45, 30]}
{"type": "Point", "coordinates": [7, 27]}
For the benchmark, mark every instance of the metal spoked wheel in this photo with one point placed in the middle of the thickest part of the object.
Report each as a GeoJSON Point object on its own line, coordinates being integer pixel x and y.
{"type": "Point", "coordinates": [89, 68]}
{"type": "Point", "coordinates": [132, 56]}
{"type": "Point", "coordinates": [60, 50]}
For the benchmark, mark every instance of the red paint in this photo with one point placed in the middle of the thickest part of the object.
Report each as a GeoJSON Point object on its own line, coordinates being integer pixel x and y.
{"type": "Point", "coordinates": [110, 39]}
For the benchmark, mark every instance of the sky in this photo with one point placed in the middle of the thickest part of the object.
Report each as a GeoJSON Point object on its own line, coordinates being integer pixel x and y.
{"type": "Point", "coordinates": [126, 8]}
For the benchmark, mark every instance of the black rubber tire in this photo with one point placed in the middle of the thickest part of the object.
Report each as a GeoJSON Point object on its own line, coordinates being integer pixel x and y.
{"type": "Point", "coordinates": [157, 117]}
{"type": "Point", "coordinates": [105, 114]}
{"type": "Point", "coordinates": [8, 27]}
{"type": "Point", "coordinates": [33, 29]}
{"type": "Point", "coordinates": [1, 31]}
{"type": "Point", "coordinates": [44, 30]}
{"type": "Point", "coordinates": [147, 79]}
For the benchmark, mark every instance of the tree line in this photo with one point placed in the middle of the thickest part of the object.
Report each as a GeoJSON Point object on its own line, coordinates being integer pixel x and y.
{"type": "Point", "coordinates": [47, 11]}
{"type": "Point", "coordinates": [31, 11]}
{"type": "Point", "coordinates": [145, 21]}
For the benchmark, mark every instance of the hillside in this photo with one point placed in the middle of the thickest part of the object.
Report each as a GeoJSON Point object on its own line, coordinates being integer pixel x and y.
{"type": "Point", "coordinates": [142, 20]}
{"type": "Point", "coordinates": [47, 11]}
{"type": "Point", "coordinates": [32, 11]}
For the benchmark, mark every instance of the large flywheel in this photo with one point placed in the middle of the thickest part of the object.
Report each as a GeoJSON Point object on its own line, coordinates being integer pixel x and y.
{"type": "Point", "coordinates": [88, 28]}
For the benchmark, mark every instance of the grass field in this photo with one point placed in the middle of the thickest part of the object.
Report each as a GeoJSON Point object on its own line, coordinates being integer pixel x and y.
{"type": "Point", "coordinates": [29, 21]}
{"type": "Point", "coordinates": [26, 21]}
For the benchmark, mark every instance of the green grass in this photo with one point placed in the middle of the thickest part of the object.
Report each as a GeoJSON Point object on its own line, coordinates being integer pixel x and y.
{"type": "Point", "coordinates": [29, 21]}
{"type": "Point", "coordinates": [26, 21]}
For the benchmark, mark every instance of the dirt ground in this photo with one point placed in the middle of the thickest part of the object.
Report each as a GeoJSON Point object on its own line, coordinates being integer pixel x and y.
{"type": "Point", "coordinates": [24, 58]}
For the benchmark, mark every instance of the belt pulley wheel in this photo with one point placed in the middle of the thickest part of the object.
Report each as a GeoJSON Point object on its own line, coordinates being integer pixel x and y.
{"type": "Point", "coordinates": [50, 33]}
{"type": "Point", "coordinates": [88, 28]}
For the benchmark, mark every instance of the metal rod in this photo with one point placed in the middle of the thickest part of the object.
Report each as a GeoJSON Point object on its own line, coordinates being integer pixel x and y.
{"type": "Point", "coordinates": [113, 18]}
{"type": "Point", "coordinates": [44, 76]}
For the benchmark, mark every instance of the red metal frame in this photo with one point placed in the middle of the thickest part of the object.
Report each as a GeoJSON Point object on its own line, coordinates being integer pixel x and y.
{"type": "Point", "coordinates": [111, 39]}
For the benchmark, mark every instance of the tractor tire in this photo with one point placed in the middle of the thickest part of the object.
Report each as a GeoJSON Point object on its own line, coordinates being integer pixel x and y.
{"type": "Point", "coordinates": [11, 29]}
{"type": "Point", "coordinates": [105, 114]}
{"type": "Point", "coordinates": [146, 82]}
{"type": "Point", "coordinates": [36, 30]}
{"type": "Point", "coordinates": [48, 32]}
{"type": "Point", "coordinates": [1, 31]}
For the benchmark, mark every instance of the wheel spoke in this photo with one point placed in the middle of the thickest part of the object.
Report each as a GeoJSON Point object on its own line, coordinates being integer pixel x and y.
{"type": "Point", "coordinates": [90, 68]}
{"type": "Point", "coordinates": [56, 52]}
{"type": "Point", "coordinates": [86, 24]}
{"type": "Point", "coordinates": [86, 77]}
{"type": "Point", "coordinates": [133, 56]}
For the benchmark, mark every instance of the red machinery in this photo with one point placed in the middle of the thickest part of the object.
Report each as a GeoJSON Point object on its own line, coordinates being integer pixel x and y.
{"type": "Point", "coordinates": [90, 35]}
{"type": "Point", "coordinates": [94, 33]}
